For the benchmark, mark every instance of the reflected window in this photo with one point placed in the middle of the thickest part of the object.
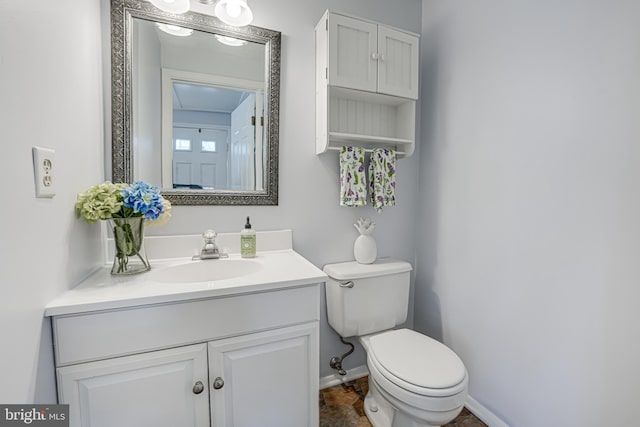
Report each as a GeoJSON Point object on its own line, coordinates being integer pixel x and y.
{"type": "Point", "coordinates": [209, 146]}
{"type": "Point", "coordinates": [183, 145]}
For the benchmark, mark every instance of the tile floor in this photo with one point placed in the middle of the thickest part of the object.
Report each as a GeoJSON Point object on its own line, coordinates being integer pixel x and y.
{"type": "Point", "coordinates": [342, 406]}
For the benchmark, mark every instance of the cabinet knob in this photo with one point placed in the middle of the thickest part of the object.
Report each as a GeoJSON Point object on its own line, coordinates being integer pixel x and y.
{"type": "Point", "coordinates": [218, 383]}
{"type": "Point", "coordinates": [374, 56]}
{"type": "Point", "coordinates": [198, 387]}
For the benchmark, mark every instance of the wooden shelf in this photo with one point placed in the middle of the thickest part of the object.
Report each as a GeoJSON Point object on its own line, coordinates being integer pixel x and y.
{"type": "Point", "coordinates": [378, 140]}
{"type": "Point", "coordinates": [403, 147]}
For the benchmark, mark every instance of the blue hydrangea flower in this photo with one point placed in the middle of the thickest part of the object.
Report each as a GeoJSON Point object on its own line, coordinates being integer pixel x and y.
{"type": "Point", "coordinates": [143, 198]}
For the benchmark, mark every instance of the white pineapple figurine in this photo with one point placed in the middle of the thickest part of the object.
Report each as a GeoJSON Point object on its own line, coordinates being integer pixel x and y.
{"type": "Point", "coordinates": [365, 249]}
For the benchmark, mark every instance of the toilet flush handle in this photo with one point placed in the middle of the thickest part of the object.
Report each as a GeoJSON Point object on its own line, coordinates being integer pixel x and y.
{"type": "Point", "coordinates": [347, 284]}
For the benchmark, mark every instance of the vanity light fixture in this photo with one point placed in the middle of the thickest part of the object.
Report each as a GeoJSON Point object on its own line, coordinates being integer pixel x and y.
{"type": "Point", "coordinates": [234, 12]}
{"type": "Point", "coordinates": [230, 41]}
{"type": "Point", "coordinates": [174, 30]}
{"type": "Point", "coordinates": [172, 6]}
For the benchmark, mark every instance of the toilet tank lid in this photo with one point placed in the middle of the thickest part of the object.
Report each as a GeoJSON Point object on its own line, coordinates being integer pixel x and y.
{"type": "Point", "coordinates": [354, 270]}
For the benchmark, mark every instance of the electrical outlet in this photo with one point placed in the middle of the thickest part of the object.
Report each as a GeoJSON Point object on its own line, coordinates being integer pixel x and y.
{"type": "Point", "coordinates": [44, 171]}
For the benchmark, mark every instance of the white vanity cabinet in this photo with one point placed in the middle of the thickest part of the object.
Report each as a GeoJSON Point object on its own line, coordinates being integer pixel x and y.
{"type": "Point", "coordinates": [271, 370]}
{"type": "Point", "coordinates": [240, 360]}
{"type": "Point", "coordinates": [160, 388]}
{"type": "Point", "coordinates": [366, 84]}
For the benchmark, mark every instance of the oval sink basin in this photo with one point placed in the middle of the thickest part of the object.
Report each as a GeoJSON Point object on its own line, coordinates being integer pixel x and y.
{"type": "Point", "coordinates": [208, 271]}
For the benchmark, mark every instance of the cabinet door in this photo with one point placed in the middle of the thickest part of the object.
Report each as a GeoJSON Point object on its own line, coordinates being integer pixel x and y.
{"type": "Point", "coordinates": [270, 378]}
{"type": "Point", "coordinates": [151, 389]}
{"type": "Point", "coordinates": [352, 53]}
{"type": "Point", "coordinates": [398, 63]}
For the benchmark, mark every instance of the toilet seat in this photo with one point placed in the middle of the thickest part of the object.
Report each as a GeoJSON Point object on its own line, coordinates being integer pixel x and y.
{"type": "Point", "coordinates": [416, 363]}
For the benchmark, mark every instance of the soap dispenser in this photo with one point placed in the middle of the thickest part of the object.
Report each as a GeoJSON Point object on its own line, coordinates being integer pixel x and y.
{"type": "Point", "coordinates": [247, 241]}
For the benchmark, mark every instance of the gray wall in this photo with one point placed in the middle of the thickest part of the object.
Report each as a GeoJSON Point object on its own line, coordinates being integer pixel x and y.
{"type": "Point", "coordinates": [530, 164]}
{"type": "Point", "coordinates": [51, 96]}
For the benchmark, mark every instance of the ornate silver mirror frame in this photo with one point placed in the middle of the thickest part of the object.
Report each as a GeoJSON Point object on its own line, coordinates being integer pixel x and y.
{"type": "Point", "coordinates": [122, 14]}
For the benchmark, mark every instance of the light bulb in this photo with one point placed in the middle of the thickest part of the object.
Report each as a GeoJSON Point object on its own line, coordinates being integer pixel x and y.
{"type": "Point", "coordinates": [233, 9]}
{"type": "Point", "coordinates": [172, 6]}
{"type": "Point", "coordinates": [230, 41]}
{"type": "Point", "coordinates": [234, 12]}
{"type": "Point", "coordinates": [174, 30]}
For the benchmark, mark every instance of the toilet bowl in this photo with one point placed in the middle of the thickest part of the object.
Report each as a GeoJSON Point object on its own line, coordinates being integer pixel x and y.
{"type": "Point", "coordinates": [414, 380]}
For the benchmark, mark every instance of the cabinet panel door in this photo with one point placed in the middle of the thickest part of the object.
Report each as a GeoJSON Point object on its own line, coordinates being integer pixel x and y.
{"type": "Point", "coordinates": [270, 378]}
{"type": "Point", "coordinates": [351, 45]}
{"type": "Point", "coordinates": [149, 389]}
{"type": "Point", "coordinates": [398, 63]}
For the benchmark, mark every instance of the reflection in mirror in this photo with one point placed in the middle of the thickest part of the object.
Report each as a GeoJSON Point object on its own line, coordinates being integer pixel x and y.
{"type": "Point", "coordinates": [214, 144]}
{"type": "Point", "coordinates": [202, 104]}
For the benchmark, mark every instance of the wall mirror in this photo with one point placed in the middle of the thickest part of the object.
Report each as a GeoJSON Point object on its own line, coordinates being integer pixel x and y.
{"type": "Point", "coordinates": [195, 106]}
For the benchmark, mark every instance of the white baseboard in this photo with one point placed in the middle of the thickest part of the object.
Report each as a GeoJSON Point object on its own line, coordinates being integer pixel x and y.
{"type": "Point", "coordinates": [335, 379]}
{"type": "Point", "coordinates": [482, 412]}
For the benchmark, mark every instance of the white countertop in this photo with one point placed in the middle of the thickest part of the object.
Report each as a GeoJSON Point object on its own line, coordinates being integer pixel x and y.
{"type": "Point", "coordinates": [102, 291]}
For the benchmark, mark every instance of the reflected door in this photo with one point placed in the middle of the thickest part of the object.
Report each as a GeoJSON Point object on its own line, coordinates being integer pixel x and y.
{"type": "Point", "coordinates": [200, 157]}
{"type": "Point", "coordinates": [242, 148]}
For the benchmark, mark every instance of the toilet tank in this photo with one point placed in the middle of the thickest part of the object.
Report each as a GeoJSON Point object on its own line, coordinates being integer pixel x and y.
{"type": "Point", "coordinates": [378, 299]}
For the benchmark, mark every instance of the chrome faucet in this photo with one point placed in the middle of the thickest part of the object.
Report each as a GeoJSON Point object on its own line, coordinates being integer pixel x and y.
{"type": "Point", "coordinates": [210, 249]}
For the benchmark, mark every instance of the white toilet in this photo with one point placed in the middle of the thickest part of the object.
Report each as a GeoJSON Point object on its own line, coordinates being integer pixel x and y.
{"type": "Point", "coordinates": [414, 380]}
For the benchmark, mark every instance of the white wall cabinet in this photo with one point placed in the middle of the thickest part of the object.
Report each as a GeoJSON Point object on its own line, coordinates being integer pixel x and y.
{"type": "Point", "coordinates": [237, 361]}
{"type": "Point", "coordinates": [366, 84]}
{"type": "Point", "coordinates": [373, 57]}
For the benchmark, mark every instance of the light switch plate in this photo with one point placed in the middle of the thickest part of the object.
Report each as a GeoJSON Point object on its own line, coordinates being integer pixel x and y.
{"type": "Point", "coordinates": [44, 164]}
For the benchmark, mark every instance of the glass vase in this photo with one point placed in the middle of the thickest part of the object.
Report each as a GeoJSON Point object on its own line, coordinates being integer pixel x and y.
{"type": "Point", "coordinates": [128, 237]}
